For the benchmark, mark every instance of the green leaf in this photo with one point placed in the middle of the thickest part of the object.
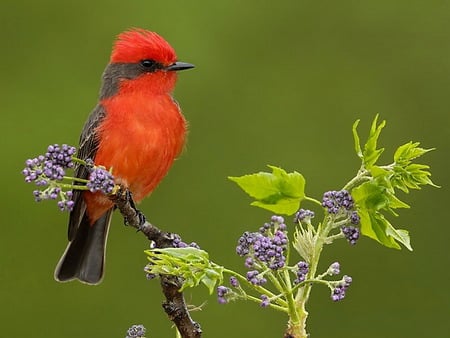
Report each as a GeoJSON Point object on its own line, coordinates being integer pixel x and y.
{"type": "Point", "coordinates": [408, 152]}
{"type": "Point", "coordinates": [278, 191]}
{"type": "Point", "coordinates": [356, 140]}
{"type": "Point", "coordinates": [372, 227]}
{"type": "Point", "coordinates": [371, 197]}
{"type": "Point", "coordinates": [371, 153]}
{"type": "Point", "coordinates": [400, 235]}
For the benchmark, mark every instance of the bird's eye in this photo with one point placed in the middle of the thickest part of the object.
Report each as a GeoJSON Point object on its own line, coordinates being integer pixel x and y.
{"type": "Point", "coordinates": [148, 63]}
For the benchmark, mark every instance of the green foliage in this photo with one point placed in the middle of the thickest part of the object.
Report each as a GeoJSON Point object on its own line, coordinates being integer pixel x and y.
{"type": "Point", "coordinates": [278, 191]}
{"type": "Point", "coordinates": [192, 264]}
{"type": "Point", "coordinates": [365, 201]}
{"type": "Point", "coordinates": [374, 187]}
{"type": "Point", "coordinates": [370, 154]}
{"type": "Point", "coordinates": [378, 192]}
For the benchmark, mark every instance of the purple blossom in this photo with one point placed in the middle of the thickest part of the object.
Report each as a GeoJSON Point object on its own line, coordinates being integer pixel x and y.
{"type": "Point", "coordinates": [302, 271]}
{"type": "Point", "coordinates": [265, 301]}
{"type": "Point", "coordinates": [66, 205]}
{"type": "Point", "coordinates": [338, 293]}
{"type": "Point", "coordinates": [101, 180]}
{"type": "Point", "coordinates": [244, 243]}
{"type": "Point", "coordinates": [249, 262]}
{"type": "Point", "coordinates": [254, 277]}
{"type": "Point", "coordinates": [222, 291]}
{"type": "Point", "coordinates": [178, 243]}
{"type": "Point", "coordinates": [136, 331]}
{"type": "Point", "coordinates": [270, 250]}
{"type": "Point", "coordinates": [335, 201]}
{"type": "Point", "coordinates": [234, 282]}
{"type": "Point", "coordinates": [351, 233]}
{"type": "Point", "coordinates": [49, 167]}
{"type": "Point", "coordinates": [277, 219]}
{"type": "Point", "coordinates": [354, 218]}
{"type": "Point", "coordinates": [334, 269]}
{"type": "Point", "coordinates": [303, 215]}
{"type": "Point", "coordinates": [266, 246]}
{"type": "Point", "coordinates": [60, 155]}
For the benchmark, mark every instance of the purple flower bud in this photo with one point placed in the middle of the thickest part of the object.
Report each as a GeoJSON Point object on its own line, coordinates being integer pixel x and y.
{"type": "Point", "coordinates": [265, 301]}
{"type": "Point", "coordinates": [303, 215]}
{"type": "Point", "coordinates": [335, 201]}
{"type": "Point", "coordinates": [334, 268]}
{"type": "Point", "coordinates": [302, 271]}
{"type": "Point", "coordinates": [351, 233]}
{"type": "Point", "coordinates": [234, 282]}
{"type": "Point", "coordinates": [354, 218]}
{"type": "Point", "coordinates": [136, 331]}
{"type": "Point", "coordinates": [101, 180]}
{"type": "Point", "coordinates": [222, 291]}
{"type": "Point", "coordinates": [249, 262]}
{"type": "Point", "coordinates": [338, 293]}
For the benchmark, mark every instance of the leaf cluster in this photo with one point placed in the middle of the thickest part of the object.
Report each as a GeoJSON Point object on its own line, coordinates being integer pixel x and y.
{"type": "Point", "coordinates": [190, 263]}
{"type": "Point", "coordinates": [380, 184]}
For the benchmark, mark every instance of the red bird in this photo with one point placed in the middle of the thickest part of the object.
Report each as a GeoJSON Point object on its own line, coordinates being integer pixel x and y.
{"type": "Point", "coordinates": [136, 129]}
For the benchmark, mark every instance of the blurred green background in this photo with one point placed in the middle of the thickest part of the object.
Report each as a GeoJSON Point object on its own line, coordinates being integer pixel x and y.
{"type": "Point", "coordinates": [276, 82]}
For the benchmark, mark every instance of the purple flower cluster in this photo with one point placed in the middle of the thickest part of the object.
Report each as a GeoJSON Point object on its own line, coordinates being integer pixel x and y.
{"type": "Point", "coordinates": [46, 170]}
{"type": "Point", "coordinates": [224, 294]}
{"type": "Point", "coordinates": [136, 331]}
{"type": "Point", "coordinates": [66, 204]}
{"type": "Point", "coordinates": [254, 277]}
{"type": "Point", "coordinates": [266, 247]}
{"type": "Point", "coordinates": [351, 233]}
{"type": "Point", "coordinates": [303, 215]}
{"type": "Point", "coordinates": [100, 179]}
{"type": "Point", "coordinates": [335, 201]}
{"type": "Point", "coordinates": [49, 167]}
{"type": "Point", "coordinates": [302, 271]}
{"type": "Point", "coordinates": [178, 243]}
{"type": "Point", "coordinates": [338, 293]}
{"type": "Point", "coordinates": [354, 218]}
{"type": "Point", "coordinates": [60, 155]}
{"type": "Point", "coordinates": [341, 203]}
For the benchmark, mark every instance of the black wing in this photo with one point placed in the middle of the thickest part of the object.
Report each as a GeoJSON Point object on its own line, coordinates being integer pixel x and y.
{"type": "Point", "coordinates": [87, 150]}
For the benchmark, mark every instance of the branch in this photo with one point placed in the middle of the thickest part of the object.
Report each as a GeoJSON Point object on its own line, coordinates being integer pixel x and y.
{"type": "Point", "coordinates": [174, 305]}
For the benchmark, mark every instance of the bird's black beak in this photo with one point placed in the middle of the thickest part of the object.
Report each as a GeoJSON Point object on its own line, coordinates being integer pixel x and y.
{"type": "Point", "coordinates": [179, 66]}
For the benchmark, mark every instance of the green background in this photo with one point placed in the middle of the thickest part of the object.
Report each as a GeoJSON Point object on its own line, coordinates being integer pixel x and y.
{"type": "Point", "coordinates": [276, 82]}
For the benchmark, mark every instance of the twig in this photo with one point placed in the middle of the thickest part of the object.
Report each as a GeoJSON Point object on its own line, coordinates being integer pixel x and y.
{"type": "Point", "coordinates": [174, 304]}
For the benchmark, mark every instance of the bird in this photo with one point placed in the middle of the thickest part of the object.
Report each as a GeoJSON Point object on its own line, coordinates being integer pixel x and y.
{"type": "Point", "coordinates": [136, 130]}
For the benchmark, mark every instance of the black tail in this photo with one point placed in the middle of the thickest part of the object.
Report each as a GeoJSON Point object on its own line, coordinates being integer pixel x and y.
{"type": "Point", "coordinates": [84, 258]}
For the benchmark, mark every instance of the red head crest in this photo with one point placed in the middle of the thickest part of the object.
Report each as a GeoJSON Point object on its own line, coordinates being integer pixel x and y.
{"type": "Point", "coordinates": [138, 44]}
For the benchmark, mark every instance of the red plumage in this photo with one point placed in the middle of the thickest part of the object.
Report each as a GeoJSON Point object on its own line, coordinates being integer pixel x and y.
{"type": "Point", "coordinates": [139, 44]}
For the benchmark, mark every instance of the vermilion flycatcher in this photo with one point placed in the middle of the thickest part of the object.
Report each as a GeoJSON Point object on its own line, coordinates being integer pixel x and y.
{"type": "Point", "coordinates": [136, 129]}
